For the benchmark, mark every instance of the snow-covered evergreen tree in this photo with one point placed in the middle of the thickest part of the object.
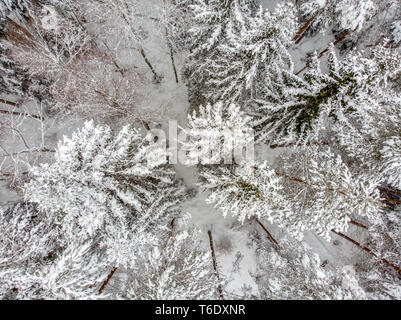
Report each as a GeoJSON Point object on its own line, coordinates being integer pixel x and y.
{"type": "Point", "coordinates": [369, 136]}
{"type": "Point", "coordinates": [258, 44]}
{"type": "Point", "coordinates": [7, 6]}
{"type": "Point", "coordinates": [303, 109]}
{"type": "Point", "coordinates": [76, 273]}
{"type": "Point", "coordinates": [102, 219]}
{"type": "Point", "coordinates": [36, 261]}
{"type": "Point", "coordinates": [322, 193]}
{"type": "Point", "coordinates": [102, 181]}
{"type": "Point", "coordinates": [379, 283]}
{"type": "Point", "coordinates": [383, 238]}
{"type": "Point", "coordinates": [384, 235]}
{"type": "Point", "coordinates": [129, 239]}
{"type": "Point", "coordinates": [312, 189]}
{"type": "Point", "coordinates": [294, 272]}
{"type": "Point", "coordinates": [244, 191]}
{"type": "Point", "coordinates": [391, 154]}
{"type": "Point", "coordinates": [396, 32]}
{"type": "Point", "coordinates": [218, 133]}
{"type": "Point", "coordinates": [178, 268]}
{"type": "Point", "coordinates": [212, 21]}
{"type": "Point", "coordinates": [308, 189]}
{"type": "Point", "coordinates": [23, 242]}
{"type": "Point", "coordinates": [347, 14]}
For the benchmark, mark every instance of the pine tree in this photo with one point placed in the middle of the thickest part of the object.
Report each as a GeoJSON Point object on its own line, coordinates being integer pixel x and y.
{"type": "Point", "coordinates": [251, 50]}
{"type": "Point", "coordinates": [347, 14]}
{"type": "Point", "coordinates": [75, 274]}
{"type": "Point", "coordinates": [312, 190]}
{"type": "Point", "coordinates": [322, 193]}
{"type": "Point", "coordinates": [24, 241]}
{"type": "Point", "coordinates": [178, 268]}
{"type": "Point", "coordinates": [384, 235]}
{"type": "Point", "coordinates": [369, 136]}
{"type": "Point", "coordinates": [102, 181]}
{"type": "Point", "coordinates": [391, 154]}
{"type": "Point", "coordinates": [295, 273]}
{"type": "Point", "coordinates": [129, 241]}
{"type": "Point", "coordinates": [383, 238]}
{"type": "Point", "coordinates": [251, 190]}
{"type": "Point", "coordinates": [7, 6]}
{"type": "Point", "coordinates": [297, 193]}
{"type": "Point", "coordinates": [217, 134]}
{"type": "Point", "coordinates": [36, 261]}
{"type": "Point", "coordinates": [303, 109]}
{"type": "Point", "coordinates": [211, 22]}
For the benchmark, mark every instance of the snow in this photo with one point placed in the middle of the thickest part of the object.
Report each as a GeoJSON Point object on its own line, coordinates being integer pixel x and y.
{"type": "Point", "coordinates": [230, 238]}
{"type": "Point", "coordinates": [235, 252]}
{"type": "Point", "coordinates": [49, 19]}
{"type": "Point", "coordinates": [397, 31]}
{"type": "Point", "coordinates": [7, 196]}
{"type": "Point", "coordinates": [171, 99]}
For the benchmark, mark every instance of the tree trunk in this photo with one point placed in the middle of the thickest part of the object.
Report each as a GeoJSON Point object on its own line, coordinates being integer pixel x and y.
{"type": "Point", "coordinates": [14, 113]}
{"type": "Point", "coordinates": [171, 55]}
{"type": "Point", "coordinates": [341, 38]}
{"type": "Point", "coordinates": [219, 288]}
{"type": "Point", "coordinates": [287, 145]}
{"type": "Point", "coordinates": [303, 30]}
{"type": "Point", "coordinates": [27, 151]}
{"type": "Point", "coordinates": [268, 234]}
{"type": "Point", "coordinates": [360, 225]}
{"type": "Point", "coordinates": [389, 191]}
{"type": "Point", "coordinates": [173, 64]}
{"type": "Point", "coordinates": [156, 77]}
{"type": "Point", "coordinates": [105, 283]}
{"type": "Point", "coordinates": [341, 192]}
{"type": "Point", "coordinates": [10, 103]}
{"type": "Point", "coordinates": [338, 40]}
{"type": "Point", "coordinates": [391, 200]}
{"type": "Point", "coordinates": [367, 250]}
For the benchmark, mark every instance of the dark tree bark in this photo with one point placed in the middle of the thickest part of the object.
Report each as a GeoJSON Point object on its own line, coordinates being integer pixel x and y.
{"type": "Point", "coordinates": [15, 113]}
{"type": "Point", "coordinates": [105, 283]}
{"type": "Point", "coordinates": [156, 77]}
{"type": "Point", "coordinates": [304, 29]}
{"type": "Point", "coordinates": [268, 234]}
{"type": "Point", "coordinates": [10, 103]}
{"type": "Point", "coordinates": [396, 268]}
{"type": "Point", "coordinates": [219, 288]}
